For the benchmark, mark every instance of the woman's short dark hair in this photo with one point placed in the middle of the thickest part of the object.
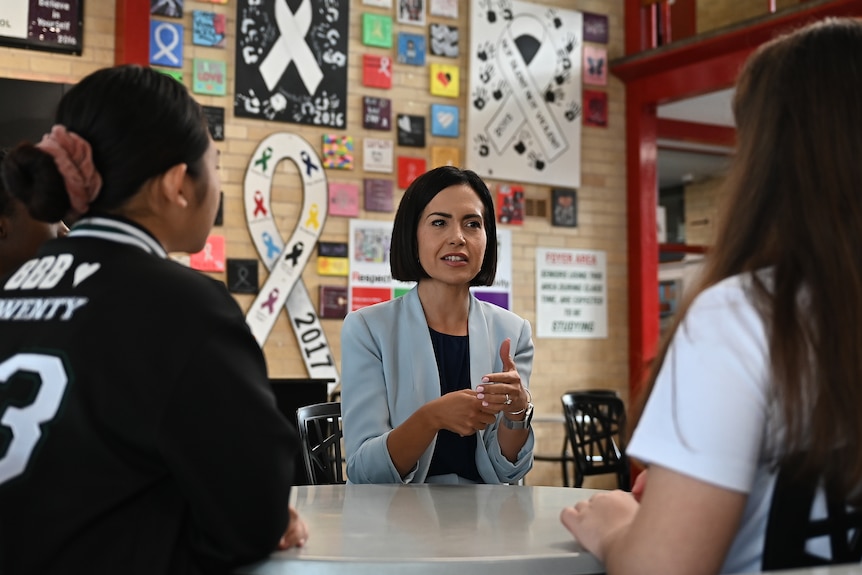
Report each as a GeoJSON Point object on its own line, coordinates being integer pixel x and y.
{"type": "Point", "coordinates": [139, 122]}
{"type": "Point", "coordinates": [404, 253]}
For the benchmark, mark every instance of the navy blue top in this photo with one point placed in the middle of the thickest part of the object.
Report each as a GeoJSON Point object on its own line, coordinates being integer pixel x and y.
{"type": "Point", "coordinates": [453, 453]}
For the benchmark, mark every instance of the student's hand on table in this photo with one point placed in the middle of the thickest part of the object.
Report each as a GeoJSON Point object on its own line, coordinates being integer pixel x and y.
{"type": "Point", "coordinates": [594, 521]}
{"type": "Point", "coordinates": [296, 534]}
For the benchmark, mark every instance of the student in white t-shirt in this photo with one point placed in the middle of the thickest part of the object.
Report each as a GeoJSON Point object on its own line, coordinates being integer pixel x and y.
{"type": "Point", "coordinates": [764, 362]}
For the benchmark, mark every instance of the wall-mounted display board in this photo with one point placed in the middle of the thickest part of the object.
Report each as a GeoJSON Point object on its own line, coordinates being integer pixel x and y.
{"type": "Point", "coordinates": [52, 25]}
{"type": "Point", "coordinates": [27, 109]}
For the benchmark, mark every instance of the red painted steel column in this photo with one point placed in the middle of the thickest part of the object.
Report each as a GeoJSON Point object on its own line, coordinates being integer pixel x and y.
{"type": "Point", "coordinates": [642, 199]}
{"type": "Point", "coordinates": [132, 32]}
{"type": "Point", "coordinates": [669, 75]}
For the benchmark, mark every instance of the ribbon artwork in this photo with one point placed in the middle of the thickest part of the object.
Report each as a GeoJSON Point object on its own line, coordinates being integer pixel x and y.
{"type": "Point", "coordinates": [286, 260]}
{"type": "Point", "coordinates": [291, 61]}
{"type": "Point", "coordinates": [525, 102]}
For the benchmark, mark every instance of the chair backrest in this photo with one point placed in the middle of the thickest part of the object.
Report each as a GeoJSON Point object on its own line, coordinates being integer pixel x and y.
{"type": "Point", "coordinates": [320, 432]}
{"type": "Point", "coordinates": [596, 427]}
{"type": "Point", "coordinates": [789, 527]}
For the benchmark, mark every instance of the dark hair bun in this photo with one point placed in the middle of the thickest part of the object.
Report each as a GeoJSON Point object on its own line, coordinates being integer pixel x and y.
{"type": "Point", "coordinates": [31, 175]}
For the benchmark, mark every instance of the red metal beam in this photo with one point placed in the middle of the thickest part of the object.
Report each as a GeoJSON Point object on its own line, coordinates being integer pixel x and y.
{"type": "Point", "coordinates": [671, 57]}
{"type": "Point", "coordinates": [696, 132]}
{"type": "Point", "coordinates": [132, 32]}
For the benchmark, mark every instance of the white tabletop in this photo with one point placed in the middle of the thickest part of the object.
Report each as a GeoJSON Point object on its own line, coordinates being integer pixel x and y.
{"type": "Point", "coordinates": [829, 570]}
{"type": "Point", "coordinates": [417, 529]}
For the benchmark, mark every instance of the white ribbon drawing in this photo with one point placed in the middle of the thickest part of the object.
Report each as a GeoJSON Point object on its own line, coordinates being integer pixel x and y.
{"type": "Point", "coordinates": [286, 261]}
{"type": "Point", "coordinates": [166, 50]}
{"type": "Point", "coordinates": [290, 46]}
{"type": "Point", "coordinates": [526, 104]}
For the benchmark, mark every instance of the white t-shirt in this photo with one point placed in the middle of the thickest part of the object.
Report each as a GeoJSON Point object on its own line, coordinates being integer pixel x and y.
{"type": "Point", "coordinates": [711, 415]}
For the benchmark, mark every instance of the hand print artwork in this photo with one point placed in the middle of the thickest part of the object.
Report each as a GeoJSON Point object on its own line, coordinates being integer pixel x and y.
{"type": "Point", "coordinates": [524, 113]}
{"type": "Point", "coordinates": [287, 77]}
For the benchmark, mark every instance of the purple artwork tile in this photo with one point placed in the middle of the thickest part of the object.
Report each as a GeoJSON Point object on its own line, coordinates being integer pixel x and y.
{"type": "Point", "coordinates": [595, 28]}
{"type": "Point", "coordinates": [378, 195]}
{"type": "Point", "coordinates": [376, 113]}
{"type": "Point", "coordinates": [500, 299]}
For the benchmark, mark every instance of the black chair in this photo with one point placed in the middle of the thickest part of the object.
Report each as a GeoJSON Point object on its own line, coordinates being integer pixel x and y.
{"type": "Point", "coordinates": [566, 457]}
{"type": "Point", "coordinates": [290, 395]}
{"type": "Point", "coordinates": [320, 434]}
{"type": "Point", "coordinates": [596, 428]}
{"type": "Point", "coordinates": [789, 526]}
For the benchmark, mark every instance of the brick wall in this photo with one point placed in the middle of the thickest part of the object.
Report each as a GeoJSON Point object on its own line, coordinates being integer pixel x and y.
{"type": "Point", "coordinates": [560, 365]}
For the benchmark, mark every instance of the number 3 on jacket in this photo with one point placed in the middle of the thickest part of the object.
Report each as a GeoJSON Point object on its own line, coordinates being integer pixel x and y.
{"type": "Point", "coordinates": [25, 422]}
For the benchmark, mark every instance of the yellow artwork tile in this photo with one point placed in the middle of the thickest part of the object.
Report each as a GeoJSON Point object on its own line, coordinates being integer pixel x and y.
{"type": "Point", "coordinates": [445, 156]}
{"type": "Point", "coordinates": [444, 80]}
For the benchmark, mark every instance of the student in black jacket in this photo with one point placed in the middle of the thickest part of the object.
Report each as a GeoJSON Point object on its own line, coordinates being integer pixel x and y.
{"type": "Point", "coordinates": [138, 433]}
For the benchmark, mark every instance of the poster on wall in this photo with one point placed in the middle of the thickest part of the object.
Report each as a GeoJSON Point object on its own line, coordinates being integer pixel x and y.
{"type": "Point", "coordinates": [411, 12]}
{"type": "Point", "coordinates": [166, 44]}
{"type": "Point", "coordinates": [524, 99]}
{"type": "Point", "coordinates": [571, 293]}
{"type": "Point", "coordinates": [291, 65]}
{"type": "Point", "coordinates": [208, 29]}
{"type": "Point", "coordinates": [500, 293]}
{"type": "Point", "coordinates": [370, 280]}
{"type": "Point", "coordinates": [49, 26]}
{"type": "Point", "coordinates": [167, 8]}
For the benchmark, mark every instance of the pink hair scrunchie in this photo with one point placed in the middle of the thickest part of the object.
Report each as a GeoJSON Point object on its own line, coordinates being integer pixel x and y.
{"type": "Point", "coordinates": [74, 158]}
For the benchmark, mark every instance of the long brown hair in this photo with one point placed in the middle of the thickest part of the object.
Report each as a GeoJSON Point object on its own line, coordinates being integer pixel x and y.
{"type": "Point", "coordinates": [794, 204]}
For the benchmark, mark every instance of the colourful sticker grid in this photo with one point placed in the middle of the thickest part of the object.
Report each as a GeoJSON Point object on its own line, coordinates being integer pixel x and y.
{"type": "Point", "coordinates": [337, 152]}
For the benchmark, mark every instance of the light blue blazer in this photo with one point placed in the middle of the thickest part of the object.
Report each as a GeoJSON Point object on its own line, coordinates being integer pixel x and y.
{"type": "Point", "coordinates": [388, 371]}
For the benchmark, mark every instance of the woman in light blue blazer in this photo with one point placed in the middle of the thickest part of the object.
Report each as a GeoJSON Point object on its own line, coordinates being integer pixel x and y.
{"type": "Point", "coordinates": [434, 386]}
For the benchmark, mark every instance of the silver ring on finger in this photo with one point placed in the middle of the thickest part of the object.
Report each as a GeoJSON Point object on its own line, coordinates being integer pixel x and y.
{"type": "Point", "coordinates": [508, 400]}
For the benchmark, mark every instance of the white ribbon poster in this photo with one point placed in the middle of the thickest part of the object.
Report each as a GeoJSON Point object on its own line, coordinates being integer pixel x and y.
{"type": "Point", "coordinates": [525, 102]}
{"type": "Point", "coordinates": [571, 293]}
{"type": "Point", "coordinates": [291, 61]}
{"type": "Point", "coordinates": [286, 260]}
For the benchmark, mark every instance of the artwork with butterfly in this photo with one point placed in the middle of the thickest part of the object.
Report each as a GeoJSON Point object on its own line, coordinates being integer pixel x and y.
{"type": "Point", "coordinates": [291, 61]}
{"type": "Point", "coordinates": [595, 65]}
{"type": "Point", "coordinates": [524, 92]}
